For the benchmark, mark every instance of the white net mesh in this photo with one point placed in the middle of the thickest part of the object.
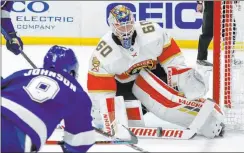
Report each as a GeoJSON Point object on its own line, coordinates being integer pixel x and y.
{"type": "Point", "coordinates": [232, 69]}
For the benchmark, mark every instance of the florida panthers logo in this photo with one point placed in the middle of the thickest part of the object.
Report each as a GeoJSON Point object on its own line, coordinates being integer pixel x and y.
{"type": "Point", "coordinates": [136, 68]}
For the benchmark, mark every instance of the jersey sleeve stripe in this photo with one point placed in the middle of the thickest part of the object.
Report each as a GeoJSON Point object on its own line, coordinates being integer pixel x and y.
{"type": "Point", "coordinates": [5, 14]}
{"type": "Point", "coordinates": [28, 117]}
{"type": "Point", "coordinates": [101, 91]}
{"type": "Point", "coordinates": [83, 138]}
{"type": "Point", "coordinates": [100, 75]}
{"type": "Point", "coordinates": [169, 52]}
{"type": "Point", "coordinates": [101, 83]}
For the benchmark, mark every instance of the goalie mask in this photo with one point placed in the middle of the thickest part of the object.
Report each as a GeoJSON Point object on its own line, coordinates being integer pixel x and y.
{"type": "Point", "coordinates": [121, 21]}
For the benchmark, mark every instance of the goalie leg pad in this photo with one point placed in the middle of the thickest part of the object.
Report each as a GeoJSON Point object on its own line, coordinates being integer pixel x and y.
{"type": "Point", "coordinates": [134, 113]}
{"type": "Point", "coordinates": [165, 103]}
{"type": "Point", "coordinates": [114, 117]}
{"type": "Point", "coordinates": [113, 111]}
{"type": "Point", "coordinates": [107, 109]}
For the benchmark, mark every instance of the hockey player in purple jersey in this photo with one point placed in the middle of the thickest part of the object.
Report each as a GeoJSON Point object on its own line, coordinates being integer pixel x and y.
{"type": "Point", "coordinates": [34, 101]}
{"type": "Point", "coordinates": [15, 44]}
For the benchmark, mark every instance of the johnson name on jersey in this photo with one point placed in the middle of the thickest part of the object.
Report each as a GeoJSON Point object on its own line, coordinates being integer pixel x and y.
{"type": "Point", "coordinates": [36, 100]}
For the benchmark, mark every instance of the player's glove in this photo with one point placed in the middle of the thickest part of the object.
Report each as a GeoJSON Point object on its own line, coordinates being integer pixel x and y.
{"type": "Point", "coordinates": [15, 44]}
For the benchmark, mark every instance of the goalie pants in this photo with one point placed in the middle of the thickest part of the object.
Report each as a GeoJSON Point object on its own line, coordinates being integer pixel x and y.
{"type": "Point", "coordinates": [12, 138]}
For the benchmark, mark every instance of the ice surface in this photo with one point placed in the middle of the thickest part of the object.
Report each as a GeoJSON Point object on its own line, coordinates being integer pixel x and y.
{"type": "Point", "coordinates": [231, 142]}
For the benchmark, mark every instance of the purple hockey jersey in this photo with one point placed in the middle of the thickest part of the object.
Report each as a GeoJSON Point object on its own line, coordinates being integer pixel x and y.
{"type": "Point", "coordinates": [6, 23]}
{"type": "Point", "coordinates": [36, 100]}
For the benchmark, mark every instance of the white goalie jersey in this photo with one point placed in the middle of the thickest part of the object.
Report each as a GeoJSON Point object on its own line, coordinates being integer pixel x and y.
{"type": "Point", "coordinates": [152, 46]}
{"type": "Point", "coordinates": [110, 61]}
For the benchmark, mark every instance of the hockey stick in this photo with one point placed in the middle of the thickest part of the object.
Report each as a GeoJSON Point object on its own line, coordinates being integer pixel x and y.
{"type": "Point", "coordinates": [22, 53]}
{"type": "Point", "coordinates": [121, 142]}
{"type": "Point", "coordinates": [133, 146]}
{"type": "Point", "coordinates": [133, 138]}
{"type": "Point", "coordinates": [130, 143]}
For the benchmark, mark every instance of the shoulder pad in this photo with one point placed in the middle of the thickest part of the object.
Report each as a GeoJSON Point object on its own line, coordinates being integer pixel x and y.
{"type": "Point", "coordinates": [107, 51]}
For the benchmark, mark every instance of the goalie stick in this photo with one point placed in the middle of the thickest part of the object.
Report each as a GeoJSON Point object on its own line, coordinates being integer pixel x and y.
{"type": "Point", "coordinates": [201, 118]}
{"type": "Point", "coordinates": [22, 53]}
{"type": "Point", "coordinates": [163, 133]}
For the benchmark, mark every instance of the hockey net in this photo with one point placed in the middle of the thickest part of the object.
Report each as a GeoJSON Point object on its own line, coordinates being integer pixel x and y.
{"type": "Point", "coordinates": [228, 81]}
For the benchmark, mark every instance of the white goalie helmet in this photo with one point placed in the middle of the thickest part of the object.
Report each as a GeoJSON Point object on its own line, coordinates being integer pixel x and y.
{"type": "Point", "coordinates": [121, 21]}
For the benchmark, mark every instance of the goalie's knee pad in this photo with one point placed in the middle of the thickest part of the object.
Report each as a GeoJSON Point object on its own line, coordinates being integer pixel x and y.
{"type": "Point", "coordinates": [188, 81]}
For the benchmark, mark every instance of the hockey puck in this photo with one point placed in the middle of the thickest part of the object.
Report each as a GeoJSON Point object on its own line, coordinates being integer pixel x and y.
{"type": "Point", "coordinates": [159, 132]}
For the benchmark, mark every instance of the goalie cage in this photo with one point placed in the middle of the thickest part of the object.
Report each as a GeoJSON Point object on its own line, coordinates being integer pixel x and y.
{"type": "Point", "coordinates": [228, 77]}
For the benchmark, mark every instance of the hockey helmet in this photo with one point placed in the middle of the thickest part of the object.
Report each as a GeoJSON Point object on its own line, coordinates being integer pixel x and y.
{"type": "Point", "coordinates": [62, 59]}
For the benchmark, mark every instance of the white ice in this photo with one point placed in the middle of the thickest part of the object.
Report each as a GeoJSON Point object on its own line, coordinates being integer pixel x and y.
{"type": "Point", "coordinates": [231, 142]}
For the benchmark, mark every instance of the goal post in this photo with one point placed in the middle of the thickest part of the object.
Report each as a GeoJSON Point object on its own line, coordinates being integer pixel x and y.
{"type": "Point", "coordinates": [216, 51]}
{"type": "Point", "coordinates": [228, 77]}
